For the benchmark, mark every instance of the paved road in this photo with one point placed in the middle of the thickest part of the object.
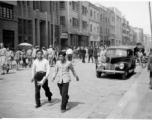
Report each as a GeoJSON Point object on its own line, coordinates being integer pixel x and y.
{"type": "Point", "coordinates": [91, 97]}
{"type": "Point", "coordinates": [136, 103]}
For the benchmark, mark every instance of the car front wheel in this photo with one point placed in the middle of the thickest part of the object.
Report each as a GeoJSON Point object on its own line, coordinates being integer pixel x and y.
{"type": "Point", "coordinates": [98, 74]}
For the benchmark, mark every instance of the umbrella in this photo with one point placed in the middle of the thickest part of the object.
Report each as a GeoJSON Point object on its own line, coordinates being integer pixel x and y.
{"type": "Point", "coordinates": [25, 44]}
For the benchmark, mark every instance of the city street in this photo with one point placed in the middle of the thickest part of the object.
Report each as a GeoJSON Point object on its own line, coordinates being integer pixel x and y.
{"type": "Point", "coordinates": [91, 97]}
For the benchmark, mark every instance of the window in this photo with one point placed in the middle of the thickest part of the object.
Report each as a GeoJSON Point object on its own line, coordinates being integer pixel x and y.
{"type": "Point", "coordinates": [91, 28]}
{"type": "Point", "coordinates": [62, 4]}
{"type": "Point", "coordinates": [91, 13]}
{"type": "Point", "coordinates": [75, 22]}
{"type": "Point", "coordinates": [20, 26]}
{"type": "Point", "coordinates": [18, 3]}
{"type": "Point", "coordinates": [28, 3]}
{"type": "Point", "coordinates": [94, 15]}
{"type": "Point", "coordinates": [75, 6]}
{"type": "Point", "coordinates": [97, 16]}
{"type": "Point", "coordinates": [30, 26]}
{"type": "Point", "coordinates": [100, 29]}
{"type": "Point", "coordinates": [84, 24]}
{"type": "Point", "coordinates": [23, 3]}
{"type": "Point", "coordinates": [6, 11]}
{"type": "Point", "coordinates": [116, 52]}
{"type": "Point", "coordinates": [62, 20]}
{"type": "Point", "coordinates": [84, 10]}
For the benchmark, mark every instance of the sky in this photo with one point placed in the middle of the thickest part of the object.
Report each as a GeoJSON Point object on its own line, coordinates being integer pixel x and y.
{"type": "Point", "coordinates": [136, 12]}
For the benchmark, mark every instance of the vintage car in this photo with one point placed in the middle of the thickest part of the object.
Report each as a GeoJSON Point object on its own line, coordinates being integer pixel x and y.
{"type": "Point", "coordinates": [118, 60]}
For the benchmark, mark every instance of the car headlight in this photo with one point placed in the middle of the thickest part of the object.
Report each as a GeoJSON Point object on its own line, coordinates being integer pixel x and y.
{"type": "Point", "coordinates": [99, 64]}
{"type": "Point", "coordinates": [121, 66]}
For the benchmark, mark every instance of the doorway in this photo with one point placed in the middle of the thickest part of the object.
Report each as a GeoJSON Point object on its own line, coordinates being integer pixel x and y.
{"type": "Point", "coordinates": [8, 38]}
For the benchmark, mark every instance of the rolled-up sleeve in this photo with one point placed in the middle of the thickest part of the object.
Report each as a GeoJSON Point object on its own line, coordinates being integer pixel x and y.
{"type": "Point", "coordinates": [72, 69]}
{"type": "Point", "coordinates": [55, 71]}
{"type": "Point", "coordinates": [48, 69]}
{"type": "Point", "coordinates": [33, 70]}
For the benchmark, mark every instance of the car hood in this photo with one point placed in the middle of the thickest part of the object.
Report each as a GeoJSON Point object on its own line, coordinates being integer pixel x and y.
{"type": "Point", "coordinates": [114, 59]}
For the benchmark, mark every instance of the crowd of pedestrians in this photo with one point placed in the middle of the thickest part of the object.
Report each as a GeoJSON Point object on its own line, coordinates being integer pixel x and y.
{"type": "Point", "coordinates": [24, 58]}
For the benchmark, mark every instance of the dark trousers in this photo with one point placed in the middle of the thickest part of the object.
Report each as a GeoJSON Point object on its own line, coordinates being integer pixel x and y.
{"type": "Point", "coordinates": [69, 56]}
{"type": "Point", "coordinates": [64, 87]}
{"type": "Point", "coordinates": [37, 88]}
{"type": "Point", "coordinates": [90, 56]}
{"type": "Point", "coordinates": [83, 58]}
{"type": "Point", "coordinates": [96, 59]}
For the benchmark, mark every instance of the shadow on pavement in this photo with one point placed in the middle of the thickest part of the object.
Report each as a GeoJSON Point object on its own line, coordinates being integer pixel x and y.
{"type": "Point", "coordinates": [11, 72]}
{"type": "Point", "coordinates": [53, 102]}
{"type": "Point", "coordinates": [117, 76]}
{"type": "Point", "coordinates": [71, 105]}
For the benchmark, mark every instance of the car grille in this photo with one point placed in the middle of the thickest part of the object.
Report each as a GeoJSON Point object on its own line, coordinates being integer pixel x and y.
{"type": "Point", "coordinates": [110, 67]}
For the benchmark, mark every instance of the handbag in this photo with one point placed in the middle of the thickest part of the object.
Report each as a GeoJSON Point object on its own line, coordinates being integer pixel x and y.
{"type": "Point", "coordinates": [21, 61]}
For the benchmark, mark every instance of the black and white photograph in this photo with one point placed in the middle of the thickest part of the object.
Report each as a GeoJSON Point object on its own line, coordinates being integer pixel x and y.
{"type": "Point", "coordinates": [76, 59]}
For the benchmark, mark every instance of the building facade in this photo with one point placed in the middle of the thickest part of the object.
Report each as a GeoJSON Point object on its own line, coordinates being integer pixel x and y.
{"type": "Point", "coordinates": [125, 32]}
{"type": "Point", "coordinates": [35, 22]}
{"type": "Point", "coordinates": [139, 35]}
{"type": "Point", "coordinates": [74, 17]}
{"type": "Point", "coordinates": [132, 36]}
{"type": "Point", "coordinates": [112, 27]}
{"type": "Point", "coordinates": [118, 26]}
{"type": "Point", "coordinates": [94, 19]}
{"type": "Point", "coordinates": [8, 23]}
{"type": "Point", "coordinates": [104, 25]}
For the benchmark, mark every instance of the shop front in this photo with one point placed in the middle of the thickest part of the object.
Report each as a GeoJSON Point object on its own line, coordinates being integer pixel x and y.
{"type": "Point", "coordinates": [64, 40]}
{"type": "Point", "coordinates": [94, 40]}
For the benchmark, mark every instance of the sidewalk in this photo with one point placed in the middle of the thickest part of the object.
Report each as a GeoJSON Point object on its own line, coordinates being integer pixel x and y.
{"type": "Point", "coordinates": [136, 103]}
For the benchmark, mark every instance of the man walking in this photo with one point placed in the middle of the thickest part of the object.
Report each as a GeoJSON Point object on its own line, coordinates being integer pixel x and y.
{"type": "Point", "coordinates": [50, 53]}
{"type": "Point", "coordinates": [62, 67]}
{"type": "Point", "coordinates": [29, 56]}
{"type": "Point", "coordinates": [40, 73]}
{"type": "Point", "coordinates": [2, 57]}
{"type": "Point", "coordinates": [95, 54]}
{"type": "Point", "coordinates": [69, 54]}
{"type": "Point", "coordinates": [83, 55]}
{"type": "Point", "coordinates": [34, 53]}
{"type": "Point", "coordinates": [149, 66]}
{"type": "Point", "coordinates": [90, 53]}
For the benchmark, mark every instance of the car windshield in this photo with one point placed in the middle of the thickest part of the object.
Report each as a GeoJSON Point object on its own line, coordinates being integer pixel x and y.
{"type": "Point", "coordinates": [116, 52]}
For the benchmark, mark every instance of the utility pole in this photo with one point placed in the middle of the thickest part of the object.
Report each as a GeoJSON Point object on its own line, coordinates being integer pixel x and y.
{"type": "Point", "coordinates": [150, 18]}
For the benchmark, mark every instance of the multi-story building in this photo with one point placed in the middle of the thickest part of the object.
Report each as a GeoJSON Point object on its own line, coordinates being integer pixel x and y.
{"type": "Point", "coordinates": [38, 22]}
{"type": "Point", "coordinates": [94, 19]}
{"type": "Point", "coordinates": [132, 35]}
{"type": "Point", "coordinates": [139, 35]}
{"type": "Point", "coordinates": [112, 28]}
{"type": "Point", "coordinates": [118, 26]}
{"type": "Point", "coordinates": [8, 23]}
{"type": "Point", "coordinates": [104, 25]}
{"type": "Point", "coordinates": [35, 22]}
{"type": "Point", "coordinates": [74, 17]}
{"type": "Point", "coordinates": [125, 31]}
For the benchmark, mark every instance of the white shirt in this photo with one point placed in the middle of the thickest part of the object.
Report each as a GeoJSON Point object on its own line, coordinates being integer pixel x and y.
{"type": "Point", "coordinates": [69, 51]}
{"type": "Point", "coordinates": [42, 65]}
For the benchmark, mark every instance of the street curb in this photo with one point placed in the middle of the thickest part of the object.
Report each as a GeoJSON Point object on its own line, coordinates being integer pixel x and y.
{"type": "Point", "coordinates": [117, 111]}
